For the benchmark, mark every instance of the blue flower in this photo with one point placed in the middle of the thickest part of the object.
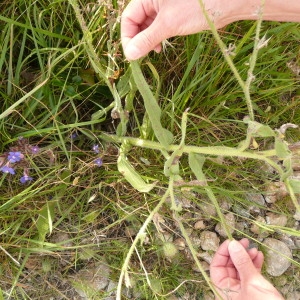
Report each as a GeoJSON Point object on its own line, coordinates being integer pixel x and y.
{"type": "Point", "coordinates": [96, 149]}
{"type": "Point", "coordinates": [14, 156]}
{"type": "Point", "coordinates": [25, 178]}
{"type": "Point", "coordinates": [74, 136]}
{"type": "Point", "coordinates": [98, 162]}
{"type": "Point", "coordinates": [7, 170]}
{"type": "Point", "coordinates": [35, 149]}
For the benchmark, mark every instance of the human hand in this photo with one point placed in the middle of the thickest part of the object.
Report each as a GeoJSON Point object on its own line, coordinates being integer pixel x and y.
{"type": "Point", "coordinates": [235, 272]}
{"type": "Point", "coordinates": [146, 23]}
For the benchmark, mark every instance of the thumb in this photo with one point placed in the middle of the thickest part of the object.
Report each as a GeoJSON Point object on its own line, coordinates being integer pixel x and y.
{"type": "Point", "coordinates": [145, 41]}
{"type": "Point", "coordinates": [241, 261]}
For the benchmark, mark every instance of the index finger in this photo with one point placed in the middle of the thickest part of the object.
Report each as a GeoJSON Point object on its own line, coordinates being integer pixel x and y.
{"type": "Point", "coordinates": [138, 15]}
{"type": "Point", "coordinates": [221, 257]}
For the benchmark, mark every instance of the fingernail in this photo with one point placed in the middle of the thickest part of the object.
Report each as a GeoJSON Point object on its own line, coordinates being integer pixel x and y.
{"type": "Point", "coordinates": [132, 52]}
{"type": "Point", "coordinates": [234, 246]}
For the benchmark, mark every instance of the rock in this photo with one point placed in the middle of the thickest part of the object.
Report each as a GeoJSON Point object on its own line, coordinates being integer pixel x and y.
{"type": "Point", "coordinates": [205, 256]}
{"type": "Point", "coordinates": [172, 297]}
{"type": "Point", "coordinates": [257, 198]}
{"type": "Point", "coordinates": [259, 230]}
{"type": "Point", "coordinates": [288, 241]}
{"type": "Point", "coordinates": [166, 236]}
{"type": "Point", "coordinates": [199, 225]}
{"type": "Point", "coordinates": [275, 191]}
{"type": "Point", "coordinates": [241, 211]}
{"type": "Point", "coordinates": [296, 216]}
{"type": "Point", "coordinates": [258, 203]}
{"type": "Point", "coordinates": [293, 295]}
{"type": "Point", "coordinates": [276, 263]}
{"type": "Point", "coordinates": [225, 204]}
{"type": "Point", "coordinates": [180, 243]}
{"type": "Point", "coordinates": [241, 226]}
{"type": "Point", "coordinates": [230, 221]}
{"type": "Point", "coordinates": [195, 239]}
{"type": "Point", "coordinates": [204, 265]}
{"type": "Point", "coordinates": [297, 243]}
{"type": "Point", "coordinates": [208, 209]}
{"type": "Point", "coordinates": [209, 296]}
{"type": "Point", "coordinates": [209, 241]}
{"type": "Point", "coordinates": [93, 278]}
{"type": "Point", "coordinates": [62, 238]}
{"type": "Point", "coordinates": [275, 219]}
{"type": "Point", "coordinates": [255, 211]}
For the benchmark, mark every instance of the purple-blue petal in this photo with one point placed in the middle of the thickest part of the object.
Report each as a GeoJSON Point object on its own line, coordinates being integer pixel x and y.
{"type": "Point", "coordinates": [14, 156]}
{"type": "Point", "coordinates": [98, 162]}
{"type": "Point", "coordinates": [35, 149]}
{"type": "Point", "coordinates": [25, 178]}
{"type": "Point", "coordinates": [96, 149]}
{"type": "Point", "coordinates": [7, 170]}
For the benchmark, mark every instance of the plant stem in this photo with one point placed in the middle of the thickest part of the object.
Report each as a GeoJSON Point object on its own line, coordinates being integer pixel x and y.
{"type": "Point", "coordinates": [139, 236]}
{"type": "Point", "coordinates": [228, 59]}
{"type": "Point", "coordinates": [213, 151]}
{"type": "Point", "coordinates": [194, 254]}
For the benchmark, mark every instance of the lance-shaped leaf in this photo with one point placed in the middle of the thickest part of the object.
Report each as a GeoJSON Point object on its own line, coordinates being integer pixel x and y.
{"type": "Point", "coordinates": [45, 219]}
{"type": "Point", "coordinates": [258, 129]}
{"type": "Point", "coordinates": [132, 176]}
{"type": "Point", "coordinates": [295, 184]}
{"type": "Point", "coordinates": [196, 162]}
{"type": "Point", "coordinates": [172, 164]}
{"type": "Point", "coordinates": [281, 148]}
{"type": "Point", "coordinates": [163, 135]}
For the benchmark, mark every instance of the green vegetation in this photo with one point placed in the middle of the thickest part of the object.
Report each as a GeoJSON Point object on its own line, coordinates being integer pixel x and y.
{"type": "Point", "coordinates": [118, 161]}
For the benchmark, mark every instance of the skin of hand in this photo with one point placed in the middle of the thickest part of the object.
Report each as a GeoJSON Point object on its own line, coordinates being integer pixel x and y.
{"type": "Point", "coordinates": [236, 273]}
{"type": "Point", "coordinates": [146, 23]}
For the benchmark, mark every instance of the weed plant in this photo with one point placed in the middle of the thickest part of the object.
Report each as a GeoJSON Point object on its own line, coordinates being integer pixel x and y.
{"type": "Point", "coordinates": [93, 148]}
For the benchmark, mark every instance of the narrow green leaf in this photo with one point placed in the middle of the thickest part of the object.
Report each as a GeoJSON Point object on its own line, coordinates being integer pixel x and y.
{"type": "Point", "coordinates": [163, 135]}
{"type": "Point", "coordinates": [288, 169]}
{"type": "Point", "coordinates": [196, 162]}
{"type": "Point", "coordinates": [34, 29]}
{"type": "Point", "coordinates": [123, 85]}
{"type": "Point", "coordinates": [9, 110]}
{"type": "Point", "coordinates": [295, 184]}
{"type": "Point", "coordinates": [258, 129]}
{"type": "Point", "coordinates": [281, 148]}
{"type": "Point", "coordinates": [45, 219]}
{"type": "Point", "coordinates": [171, 166]}
{"type": "Point", "coordinates": [132, 176]}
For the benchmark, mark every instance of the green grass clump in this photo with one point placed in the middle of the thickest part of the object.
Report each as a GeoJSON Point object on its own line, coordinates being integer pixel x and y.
{"type": "Point", "coordinates": [172, 146]}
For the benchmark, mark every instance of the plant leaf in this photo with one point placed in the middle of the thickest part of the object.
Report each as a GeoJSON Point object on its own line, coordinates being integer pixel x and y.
{"type": "Point", "coordinates": [196, 162]}
{"type": "Point", "coordinates": [295, 184]}
{"type": "Point", "coordinates": [281, 148]}
{"type": "Point", "coordinates": [258, 129]}
{"type": "Point", "coordinates": [132, 176]}
{"type": "Point", "coordinates": [164, 136]}
{"type": "Point", "coordinates": [45, 220]}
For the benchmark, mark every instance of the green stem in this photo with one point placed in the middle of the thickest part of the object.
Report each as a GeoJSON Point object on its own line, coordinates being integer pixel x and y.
{"type": "Point", "coordinates": [252, 63]}
{"type": "Point", "coordinates": [194, 254]}
{"type": "Point", "coordinates": [229, 60]}
{"type": "Point", "coordinates": [139, 236]}
{"type": "Point", "coordinates": [213, 151]}
{"type": "Point", "coordinates": [292, 195]}
{"type": "Point", "coordinates": [213, 199]}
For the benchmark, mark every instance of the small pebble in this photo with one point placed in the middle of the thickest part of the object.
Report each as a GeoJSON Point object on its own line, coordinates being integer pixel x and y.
{"type": "Point", "coordinates": [276, 263]}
